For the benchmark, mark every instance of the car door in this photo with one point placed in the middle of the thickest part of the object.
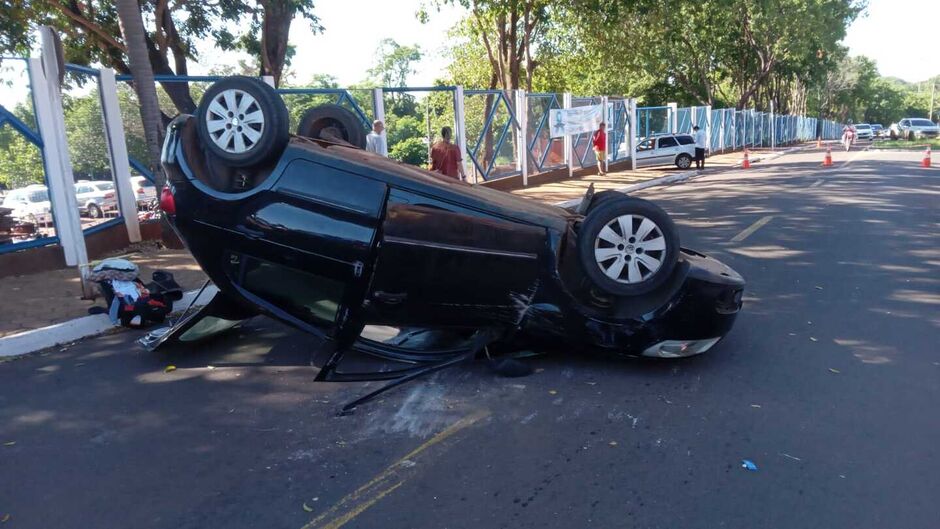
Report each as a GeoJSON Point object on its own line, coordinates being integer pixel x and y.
{"type": "Point", "coordinates": [646, 152]}
{"type": "Point", "coordinates": [666, 150]}
{"type": "Point", "coordinates": [304, 248]}
{"type": "Point", "coordinates": [442, 264]}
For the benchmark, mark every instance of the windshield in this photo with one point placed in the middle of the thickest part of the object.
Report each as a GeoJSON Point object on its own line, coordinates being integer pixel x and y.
{"type": "Point", "coordinates": [38, 196]}
{"type": "Point", "coordinates": [921, 123]}
{"type": "Point", "coordinates": [863, 126]}
{"type": "Point", "coordinates": [106, 186]}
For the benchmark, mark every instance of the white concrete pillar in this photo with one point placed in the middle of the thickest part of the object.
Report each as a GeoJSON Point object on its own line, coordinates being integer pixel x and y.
{"type": "Point", "coordinates": [117, 152]}
{"type": "Point", "coordinates": [522, 143]}
{"type": "Point", "coordinates": [569, 154]}
{"type": "Point", "coordinates": [460, 129]}
{"type": "Point", "coordinates": [606, 119]}
{"type": "Point", "coordinates": [378, 105]}
{"type": "Point", "coordinates": [708, 128]}
{"type": "Point", "coordinates": [631, 109]}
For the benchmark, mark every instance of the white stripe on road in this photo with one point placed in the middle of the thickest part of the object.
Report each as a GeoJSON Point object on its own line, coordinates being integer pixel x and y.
{"type": "Point", "coordinates": [752, 228]}
{"type": "Point", "coordinates": [817, 183]}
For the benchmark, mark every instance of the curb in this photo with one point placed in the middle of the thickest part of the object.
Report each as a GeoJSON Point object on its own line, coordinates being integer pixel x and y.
{"type": "Point", "coordinates": [72, 330]}
{"type": "Point", "coordinates": [681, 177]}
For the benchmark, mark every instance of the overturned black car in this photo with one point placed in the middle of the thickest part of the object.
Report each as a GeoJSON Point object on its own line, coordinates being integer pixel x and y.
{"type": "Point", "coordinates": [387, 259]}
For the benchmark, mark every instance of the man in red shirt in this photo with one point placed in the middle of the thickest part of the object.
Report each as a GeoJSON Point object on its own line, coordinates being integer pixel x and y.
{"type": "Point", "coordinates": [446, 158]}
{"type": "Point", "coordinates": [600, 147]}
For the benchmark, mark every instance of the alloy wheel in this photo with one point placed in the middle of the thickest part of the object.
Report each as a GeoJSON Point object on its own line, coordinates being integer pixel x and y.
{"type": "Point", "coordinates": [630, 249]}
{"type": "Point", "coordinates": [235, 121]}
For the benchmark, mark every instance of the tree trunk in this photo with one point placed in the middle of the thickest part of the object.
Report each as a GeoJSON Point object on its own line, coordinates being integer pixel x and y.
{"type": "Point", "coordinates": [132, 26]}
{"type": "Point", "coordinates": [275, 29]}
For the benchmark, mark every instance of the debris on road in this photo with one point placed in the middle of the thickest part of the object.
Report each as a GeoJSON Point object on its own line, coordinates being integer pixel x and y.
{"type": "Point", "coordinates": [813, 339]}
{"type": "Point", "coordinates": [755, 405]}
{"type": "Point", "coordinates": [9, 443]}
{"type": "Point", "coordinates": [612, 443]}
{"type": "Point", "coordinates": [5, 518]}
{"type": "Point", "coordinates": [834, 370]}
{"type": "Point", "coordinates": [552, 392]}
{"type": "Point", "coordinates": [748, 464]}
{"type": "Point", "coordinates": [788, 456]}
{"type": "Point", "coordinates": [307, 507]}
{"type": "Point", "coordinates": [168, 369]}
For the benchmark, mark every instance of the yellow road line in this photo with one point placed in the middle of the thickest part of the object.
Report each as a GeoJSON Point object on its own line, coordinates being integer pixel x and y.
{"type": "Point", "coordinates": [752, 228]}
{"type": "Point", "coordinates": [365, 496]}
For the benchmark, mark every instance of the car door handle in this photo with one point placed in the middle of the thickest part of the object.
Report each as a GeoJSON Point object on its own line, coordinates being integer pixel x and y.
{"type": "Point", "coordinates": [248, 232]}
{"type": "Point", "coordinates": [390, 298]}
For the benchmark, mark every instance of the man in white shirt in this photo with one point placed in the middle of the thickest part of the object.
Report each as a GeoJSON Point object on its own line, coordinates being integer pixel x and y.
{"type": "Point", "coordinates": [375, 141]}
{"type": "Point", "coordinates": [699, 147]}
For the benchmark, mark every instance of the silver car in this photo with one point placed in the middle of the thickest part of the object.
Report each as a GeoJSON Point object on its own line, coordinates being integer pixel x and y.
{"type": "Point", "coordinates": [667, 149]}
{"type": "Point", "coordinates": [914, 128]}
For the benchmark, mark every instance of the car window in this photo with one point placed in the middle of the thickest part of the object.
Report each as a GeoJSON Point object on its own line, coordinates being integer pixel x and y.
{"type": "Point", "coordinates": [645, 145]}
{"type": "Point", "coordinates": [39, 196]}
{"type": "Point", "coordinates": [904, 123]}
{"type": "Point", "coordinates": [105, 186]}
{"type": "Point", "coordinates": [921, 123]}
{"type": "Point", "coordinates": [307, 296]}
{"type": "Point", "coordinates": [685, 140]}
{"type": "Point", "coordinates": [81, 190]}
{"type": "Point", "coordinates": [667, 142]}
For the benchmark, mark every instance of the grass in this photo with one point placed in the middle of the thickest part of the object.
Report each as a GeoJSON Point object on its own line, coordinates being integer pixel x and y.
{"type": "Point", "coordinates": [905, 144]}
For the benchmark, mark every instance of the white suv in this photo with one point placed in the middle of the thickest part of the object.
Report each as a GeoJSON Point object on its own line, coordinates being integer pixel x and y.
{"type": "Point", "coordinates": [30, 204]}
{"type": "Point", "coordinates": [666, 149]}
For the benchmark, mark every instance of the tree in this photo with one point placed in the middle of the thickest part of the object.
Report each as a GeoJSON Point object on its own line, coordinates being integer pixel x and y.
{"type": "Point", "coordinates": [132, 28]}
{"type": "Point", "coordinates": [273, 24]}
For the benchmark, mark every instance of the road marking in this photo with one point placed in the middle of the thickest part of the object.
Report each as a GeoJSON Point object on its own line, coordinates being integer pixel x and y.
{"type": "Point", "coordinates": [752, 228]}
{"type": "Point", "coordinates": [857, 154]}
{"type": "Point", "coordinates": [354, 503]}
{"type": "Point", "coordinates": [817, 183]}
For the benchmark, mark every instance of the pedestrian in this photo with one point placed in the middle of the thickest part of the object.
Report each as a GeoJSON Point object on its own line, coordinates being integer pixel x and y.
{"type": "Point", "coordinates": [375, 141]}
{"type": "Point", "coordinates": [600, 147]}
{"type": "Point", "coordinates": [699, 147]}
{"type": "Point", "coordinates": [446, 158]}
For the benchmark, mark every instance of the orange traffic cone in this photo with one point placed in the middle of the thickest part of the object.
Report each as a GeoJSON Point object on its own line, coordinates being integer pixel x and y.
{"type": "Point", "coordinates": [827, 162]}
{"type": "Point", "coordinates": [926, 161]}
{"type": "Point", "coordinates": [746, 164]}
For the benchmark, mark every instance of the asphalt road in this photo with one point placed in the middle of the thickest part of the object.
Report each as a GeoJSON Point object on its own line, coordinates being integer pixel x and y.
{"type": "Point", "coordinates": [829, 383]}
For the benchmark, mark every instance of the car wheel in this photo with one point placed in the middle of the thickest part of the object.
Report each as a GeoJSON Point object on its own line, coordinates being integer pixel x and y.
{"type": "Point", "coordinates": [894, 135]}
{"type": "Point", "coordinates": [94, 211]}
{"type": "Point", "coordinates": [910, 136]}
{"type": "Point", "coordinates": [683, 161]}
{"type": "Point", "coordinates": [243, 121]}
{"type": "Point", "coordinates": [331, 122]}
{"type": "Point", "coordinates": [627, 246]}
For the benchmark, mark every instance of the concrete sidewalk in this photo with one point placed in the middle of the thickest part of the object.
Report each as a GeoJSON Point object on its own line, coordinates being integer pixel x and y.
{"type": "Point", "coordinates": [34, 301]}
{"type": "Point", "coordinates": [574, 188]}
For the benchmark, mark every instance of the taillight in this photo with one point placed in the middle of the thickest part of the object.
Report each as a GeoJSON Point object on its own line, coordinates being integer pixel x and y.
{"type": "Point", "coordinates": [167, 202]}
{"type": "Point", "coordinates": [140, 191]}
{"type": "Point", "coordinates": [109, 195]}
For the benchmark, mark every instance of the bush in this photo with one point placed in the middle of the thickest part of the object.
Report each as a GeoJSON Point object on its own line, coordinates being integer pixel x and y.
{"type": "Point", "coordinates": [412, 151]}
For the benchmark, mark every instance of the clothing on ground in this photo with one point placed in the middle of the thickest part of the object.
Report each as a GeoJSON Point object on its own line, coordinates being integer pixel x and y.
{"type": "Point", "coordinates": [444, 158]}
{"type": "Point", "coordinates": [377, 143]}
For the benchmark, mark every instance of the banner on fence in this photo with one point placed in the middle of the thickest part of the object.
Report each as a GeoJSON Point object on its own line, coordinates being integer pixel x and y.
{"type": "Point", "coordinates": [578, 120]}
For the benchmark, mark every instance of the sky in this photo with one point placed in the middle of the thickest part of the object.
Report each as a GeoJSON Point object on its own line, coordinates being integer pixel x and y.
{"type": "Point", "coordinates": [346, 48]}
{"type": "Point", "coordinates": [901, 36]}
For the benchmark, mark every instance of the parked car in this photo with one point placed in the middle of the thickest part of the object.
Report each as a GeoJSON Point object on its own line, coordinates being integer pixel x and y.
{"type": "Point", "coordinates": [30, 204]}
{"type": "Point", "coordinates": [317, 233]}
{"type": "Point", "coordinates": [914, 128]}
{"type": "Point", "coordinates": [144, 191]}
{"type": "Point", "coordinates": [877, 130]}
{"type": "Point", "coordinates": [863, 131]}
{"type": "Point", "coordinates": [95, 199]}
{"type": "Point", "coordinates": [666, 149]}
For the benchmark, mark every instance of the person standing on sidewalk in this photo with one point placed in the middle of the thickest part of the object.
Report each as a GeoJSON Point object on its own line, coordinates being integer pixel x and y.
{"type": "Point", "coordinates": [600, 147]}
{"type": "Point", "coordinates": [375, 141]}
{"type": "Point", "coordinates": [699, 147]}
{"type": "Point", "coordinates": [446, 158]}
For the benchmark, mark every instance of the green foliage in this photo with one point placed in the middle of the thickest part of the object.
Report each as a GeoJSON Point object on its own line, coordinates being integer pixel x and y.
{"type": "Point", "coordinates": [20, 160]}
{"type": "Point", "coordinates": [412, 151]}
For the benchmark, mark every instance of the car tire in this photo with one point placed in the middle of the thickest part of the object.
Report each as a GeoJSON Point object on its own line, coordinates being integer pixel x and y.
{"type": "Point", "coordinates": [618, 266]}
{"type": "Point", "coordinates": [331, 122]}
{"type": "Point", "coordinates": [911, 136]}
{"type": "Point", "coordinates": [94, 211]}
{"type": "Point", "coordinates": [231, 137]}
{"type": "Point", "coordinates": [683, 161]}
{"type": "Point", "coordinates": [894, 135]}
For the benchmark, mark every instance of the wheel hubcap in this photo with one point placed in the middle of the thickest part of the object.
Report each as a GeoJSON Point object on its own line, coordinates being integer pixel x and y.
{"type": "Point", "coordinates": [630, 249]}
{"type": "Point", "coordinates": [235, 121]}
